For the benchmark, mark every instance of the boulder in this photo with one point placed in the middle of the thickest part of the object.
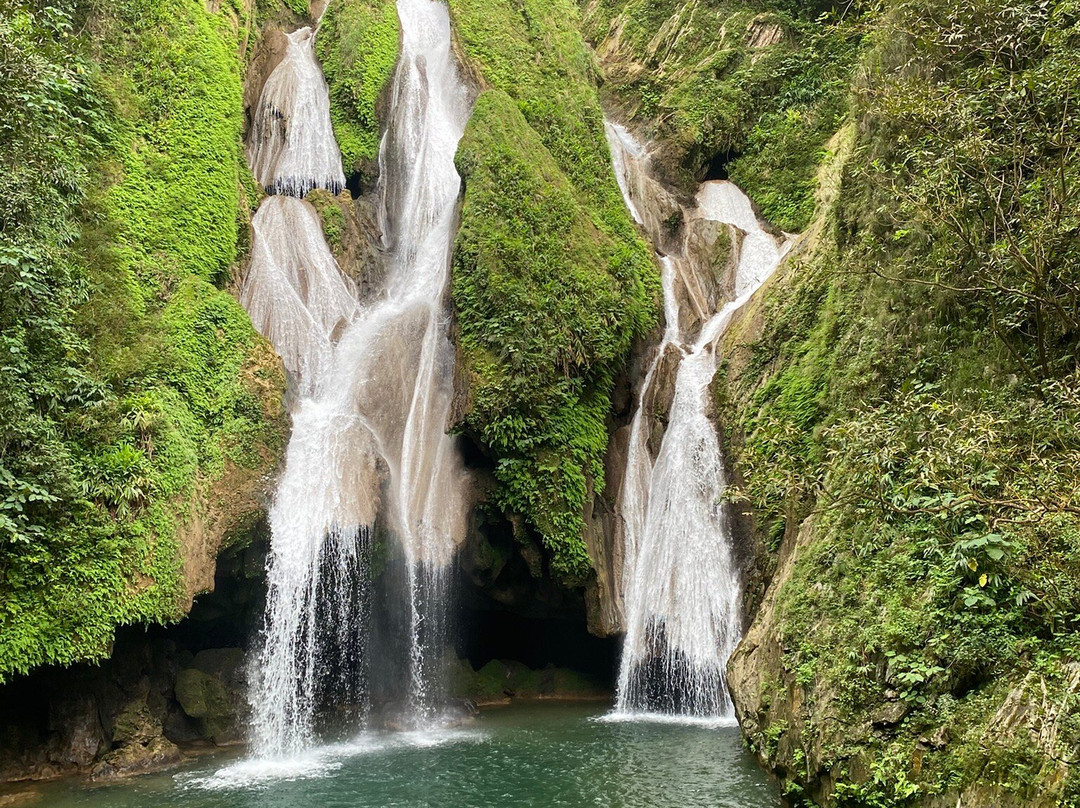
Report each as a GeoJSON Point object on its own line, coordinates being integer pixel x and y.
{"type": "Point", "coordinates": [206, 698]}
{"type": "Point", "coordinates": [137, 758]}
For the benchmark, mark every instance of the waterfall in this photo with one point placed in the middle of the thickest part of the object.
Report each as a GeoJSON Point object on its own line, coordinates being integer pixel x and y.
{"type": "Point", "coordinates": [291, 148]}
{"type": "Point", "coordinates": [681, 590]}
{"type": "Point", "coordinates": [294, 290]}
{"type": "Point", "coordinates": [419, 191]}
{"type": "Point", "coordinates": [375, 380]}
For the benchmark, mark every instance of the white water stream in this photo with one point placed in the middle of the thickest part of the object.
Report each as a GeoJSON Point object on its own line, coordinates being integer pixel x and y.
{"type": "Point", "coordinates": [291, 147]}
{"type": "Point", "coordinates": [681, 590]}
{"type": "Point", "coordinates": [375, 379]}
{"type": "Point", "coordinates": [294, 290]}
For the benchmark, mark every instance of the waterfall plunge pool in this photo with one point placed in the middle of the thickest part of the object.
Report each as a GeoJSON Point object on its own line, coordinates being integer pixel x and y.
{"type": "Point", "coordinates": [531, 754]}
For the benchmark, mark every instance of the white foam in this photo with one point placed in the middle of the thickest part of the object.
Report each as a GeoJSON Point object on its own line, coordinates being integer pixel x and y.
{"type": "Point", "coordinates": [321, 761]}
{"type": "Point", "coordinates": [291, 148]}
{"type": "Point", "coordinates": [671, 719]}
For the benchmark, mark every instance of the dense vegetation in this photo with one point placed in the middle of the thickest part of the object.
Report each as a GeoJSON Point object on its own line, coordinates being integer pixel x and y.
{"type": "Point", "coordinates": [749, 89]}
{"type": "Point", "coordinates": [551, 282]}
{"type": "Point", "coordinates": [358, 48]}
{"type": "Point", "coordinates": [914, 394]}
{"type": "Point", "coordinates": [909, 407]}
{"type": "Point", "coordinates": [130, 381]}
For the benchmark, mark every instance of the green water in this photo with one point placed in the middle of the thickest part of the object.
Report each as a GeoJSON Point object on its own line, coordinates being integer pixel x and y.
{"type": "Point", "coordinates": [532, 755]}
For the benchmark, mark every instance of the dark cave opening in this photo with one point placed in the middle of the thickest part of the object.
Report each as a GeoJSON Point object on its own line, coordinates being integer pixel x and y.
{"type": "Point", "coordinates": [231, 615]}
{"type": "Point", "coordinates": [354, 183]}
{"type": "Point", "coordinates": [472, 455]}
{"type": "Point", "coordinates": [718, 166]}
{"type": "Point", "coordinates": [537, 642]}
{"type": "Point", "coordinates": [510, 608]}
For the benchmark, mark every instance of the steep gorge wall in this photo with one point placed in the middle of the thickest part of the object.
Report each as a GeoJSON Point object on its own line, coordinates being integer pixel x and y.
{"type": "Point", "coordinates": [898, 393]}
{"type": "Point", "coordinates": [906, 447]}
{"type": "Point", "coordinates": [551, 283]}
{"type": "Point", "coordinates": [142, 424]}
{"type": "Point", "coordinates": [917, 643]}
{"type": "Point", "coordinates": [145, 413]}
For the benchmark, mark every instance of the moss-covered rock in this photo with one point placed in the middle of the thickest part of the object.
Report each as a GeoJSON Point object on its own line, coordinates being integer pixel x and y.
{"type": "Point", "coordinates": [501, 681]}
{"type": "Point", "coordinates": [205, 697]}
{"type": "Point", "coordinates": [352, 232]}
{"type": "Point", "coordinates": [358, 48]}
{"type": "Point", "coordinates": [551, 283]}
{"type": "Point", "coordinates": [137, 758]}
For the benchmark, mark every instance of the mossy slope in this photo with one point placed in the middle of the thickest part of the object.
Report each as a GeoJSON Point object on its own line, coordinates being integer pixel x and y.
{"type": "Point", "coordinates": [755, 87]}
{"type": "Point", "coordinates": [551, 282]}
{"type": "Point", "coordinates": [139, 383]}
{"type": "Point", "coordinates": [906, 425]}
{"type": "Point", "coordinates": [358, 48]}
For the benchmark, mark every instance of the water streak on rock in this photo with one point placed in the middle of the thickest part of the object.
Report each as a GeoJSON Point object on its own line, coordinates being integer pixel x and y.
{"type": "Point", "coordinates": [294, 290]}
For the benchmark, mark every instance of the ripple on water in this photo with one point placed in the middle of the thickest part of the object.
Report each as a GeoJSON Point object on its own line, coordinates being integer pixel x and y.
{"type": "Point", "coordinates": [702, 721]}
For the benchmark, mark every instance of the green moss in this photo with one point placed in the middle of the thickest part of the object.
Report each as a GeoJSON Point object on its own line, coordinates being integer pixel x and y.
{"type": "Point", "coordinates": [332, 216]}
{"type": "Point", "coordinates": [757, 86]}
{"type": "Point", "coordinates": [551, 282]}
{"type": "Point", "coordinates": [358, 47]}
{"type": "Point", "coordinates": [175, 142]}
{"type": "Point", "coordinates": [212, 344]}
{"type": "Point", "coordinates": [152, 390]}
{"type": "Point", "coordinates": [540, 324]}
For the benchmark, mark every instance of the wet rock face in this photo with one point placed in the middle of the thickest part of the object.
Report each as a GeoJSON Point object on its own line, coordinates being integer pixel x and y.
{"type": "Point", "coordinates": [352, 233]}
{"type": "Point", "coordinates": [123, 717]}
{"type": "Point", "coordinates": [79, 734]}
{"type": "Point", "coordinates": [162, 688]}
{"type": "Point", "coordinates": [763, 692]}
{"type": "Point", "coordinates": [212, 692]}
{"type": "Point", "coordinates": [267, 56]}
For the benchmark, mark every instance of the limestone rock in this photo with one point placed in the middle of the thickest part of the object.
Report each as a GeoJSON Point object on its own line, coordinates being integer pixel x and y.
{"type": "Point", "coordinates": [763, 31]}
{"type": "Point", "coordinates": [80, 736]}
{"type": "Point", "coordinates": [137, 758]}
{"type": "Point", "coordinates": [205, 697]}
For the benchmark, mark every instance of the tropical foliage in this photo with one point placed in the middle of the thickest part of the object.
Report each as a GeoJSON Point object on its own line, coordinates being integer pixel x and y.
{"type": "Point", "coordinates": [129, 382]}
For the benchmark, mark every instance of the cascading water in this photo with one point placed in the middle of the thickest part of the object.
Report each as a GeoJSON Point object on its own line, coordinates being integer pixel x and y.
{"type": "Point", "coordinates": [291, 148]}
{"type": "Point", "coordinates": [680, 588]}
{"type": "Point", "coordinates": [375, 380]}
{"type": "Point", "coordinates": [419, 190]}
{"type": "Point", "coordinates": [294, 290]}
